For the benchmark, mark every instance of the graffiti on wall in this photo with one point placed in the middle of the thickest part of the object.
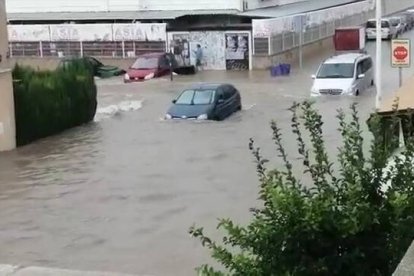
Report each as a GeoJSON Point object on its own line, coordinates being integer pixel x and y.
{"type": "Point", "coordinates": [28, 32]}
{"type": "Point", "coordinates": [140, 32]}
{"type": "Point", "coordinates": [84, 32]}
{"type": "Point", "coordinates": [237, 51]}
{"type": "Point", "coordinates": [88, 32]}
{"type": "Point", "coordinates": [213, 45]}
{"type": "Point", "coordinates": [179, 45]}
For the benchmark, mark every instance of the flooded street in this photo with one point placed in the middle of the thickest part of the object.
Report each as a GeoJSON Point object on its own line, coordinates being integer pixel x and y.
{"type": "Point", "coordinates": [119, 194]}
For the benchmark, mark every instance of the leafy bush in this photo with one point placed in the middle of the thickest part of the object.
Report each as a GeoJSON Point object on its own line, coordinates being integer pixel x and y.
{"type": "Point", "coordinates": [346, 223]}
{"type": "Point", "coordinates": [48, 102]}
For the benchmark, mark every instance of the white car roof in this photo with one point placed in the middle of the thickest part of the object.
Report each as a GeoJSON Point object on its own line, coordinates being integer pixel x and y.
{"type": "Point", "coordinates": [345, 58]}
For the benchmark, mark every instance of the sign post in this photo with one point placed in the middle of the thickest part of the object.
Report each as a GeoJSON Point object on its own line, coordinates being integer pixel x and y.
{"type": "Point", "coordinates": [400, 56]}
{"type": "Point", "coordinates": [378, 53]}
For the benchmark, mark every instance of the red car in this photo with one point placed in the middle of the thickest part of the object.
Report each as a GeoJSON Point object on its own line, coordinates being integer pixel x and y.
{"type": "Point", "coordinates": [148, 66]}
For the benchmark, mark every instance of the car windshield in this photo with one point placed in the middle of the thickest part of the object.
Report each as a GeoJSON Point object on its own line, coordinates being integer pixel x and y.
{"type": "Point", "coordinates": [196, 97]}
{"type": "Point", "coordinates": [336, 70]}
{"type": "Point", "coordinates": [145, 63]}
{"type": "Point", "coordinates": [395, 21]}
{"type": "Point", "coordinates": [373, 24]}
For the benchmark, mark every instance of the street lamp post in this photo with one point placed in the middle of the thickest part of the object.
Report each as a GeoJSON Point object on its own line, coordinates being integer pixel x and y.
{"type": "Point", "coordinates": [378, 73]}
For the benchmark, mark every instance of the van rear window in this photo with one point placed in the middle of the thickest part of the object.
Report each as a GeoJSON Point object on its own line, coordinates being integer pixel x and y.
{"type": "Point", "coordinates": [373, 24]}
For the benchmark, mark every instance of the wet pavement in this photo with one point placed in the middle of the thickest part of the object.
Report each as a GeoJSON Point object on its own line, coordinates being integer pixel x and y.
{"type": "Point", "coordinates": [119, 194]}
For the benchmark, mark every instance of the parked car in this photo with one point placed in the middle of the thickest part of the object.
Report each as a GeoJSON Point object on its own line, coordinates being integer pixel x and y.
{"type": "Point", "coordinates": [388, 31]}
{"type": "Point", "coordinates": [151, 65]}
{"type": "Point", "coordinates": [99, 69]}
{"type": "Point", "coordinates": [398, 24]}
{"type": "Point", "coordinates": [345, 74]}
{"type": "Point", "coordinates": [410, 18]}
{"type": "Point", "coordinates": [206, 102]}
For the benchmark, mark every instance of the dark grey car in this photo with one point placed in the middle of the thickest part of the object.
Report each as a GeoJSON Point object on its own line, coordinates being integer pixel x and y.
{"type": "Point", "coordinates": [206, 102]}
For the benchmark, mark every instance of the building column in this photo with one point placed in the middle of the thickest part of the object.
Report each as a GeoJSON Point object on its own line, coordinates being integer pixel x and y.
{"type": "Point", "coordinates": [7, 118]}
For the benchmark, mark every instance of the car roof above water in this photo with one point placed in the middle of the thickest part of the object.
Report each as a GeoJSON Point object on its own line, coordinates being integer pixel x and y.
{"type": "Point", "coordinates": [206, 86]}
{"type": "Point", "coordinates": [345, 58]}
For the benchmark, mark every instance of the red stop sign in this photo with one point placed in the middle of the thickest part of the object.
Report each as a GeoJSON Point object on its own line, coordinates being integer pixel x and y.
{"type": "Point", "coordinates": [400, 52]}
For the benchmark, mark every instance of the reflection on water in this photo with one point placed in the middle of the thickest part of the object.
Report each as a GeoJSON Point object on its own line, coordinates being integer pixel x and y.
{"type": "Point", "coordinates": [64, 159]}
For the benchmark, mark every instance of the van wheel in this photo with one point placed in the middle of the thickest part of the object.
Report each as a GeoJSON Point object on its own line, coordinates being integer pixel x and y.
{"type": "Point", "coordinates": [372, 82]}
{"type": "Point", "coordinates": [357, 93]}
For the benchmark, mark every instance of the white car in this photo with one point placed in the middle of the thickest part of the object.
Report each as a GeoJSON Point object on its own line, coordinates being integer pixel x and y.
{"type": "Point", "coordinates": [398, 24]}
{"type": "Point", "coordinates": [388, 31]}
{"type": "Point", "coordinates": [345, 74]}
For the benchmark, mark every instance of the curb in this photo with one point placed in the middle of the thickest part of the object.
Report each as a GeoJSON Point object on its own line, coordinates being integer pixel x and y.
{"type": "Point", "coordinates": [14, 270]}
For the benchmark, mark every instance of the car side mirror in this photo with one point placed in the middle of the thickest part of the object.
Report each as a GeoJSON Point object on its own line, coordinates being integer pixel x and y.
{"type": "Point", "coordinates": [174, 101]}
{"type": "Point", "coordinates": [313, 76]}
{"type": "Point", "coordinates": [361, 76]}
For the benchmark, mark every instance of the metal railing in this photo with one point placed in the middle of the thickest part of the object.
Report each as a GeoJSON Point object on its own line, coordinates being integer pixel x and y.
{"type": "Point", "coordinates": [119, 49]}
{"type": "Point", "coordinates": [285, 41]}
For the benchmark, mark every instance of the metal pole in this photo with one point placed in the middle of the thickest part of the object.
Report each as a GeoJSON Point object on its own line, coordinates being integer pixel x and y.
{"type": "Point", "coordinates": [378, 73]}
{"type": "Point", "coordinates": [301, 43]}
{"type": "Point", "coordinates": [171, 70]}
{"type": "Point", "coordinates": [400, 76]}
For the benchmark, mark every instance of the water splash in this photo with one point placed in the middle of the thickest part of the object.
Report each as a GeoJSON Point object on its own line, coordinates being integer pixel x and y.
{"type": "Point", "coordinates": [116, 109]}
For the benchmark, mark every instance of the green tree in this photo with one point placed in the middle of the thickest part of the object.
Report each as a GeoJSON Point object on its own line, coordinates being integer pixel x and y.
{"type": "Point", "coordinates": [346, 223]}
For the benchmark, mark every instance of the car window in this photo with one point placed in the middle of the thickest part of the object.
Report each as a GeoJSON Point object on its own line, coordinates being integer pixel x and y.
{"type": "Point", "coordinates": [336, 70]}
{"type": "Point", "coordinates": [228, 92]}
{"type": "Point", "coordinates": [366, 65]}
{"type": "Point", "coordinates": [373, 24]}
{"type": "Point", "coordinates": [220, 93]}
{"type": "Point", "coordinates": [164, 63]}
{"type": "Point", "coordinates": [360, 68]}
{"type": "Point", "coordinates": [196, 97]}
{"type": "Point", "coordinates": [94, 62]}
{"type": "Point", "coordinates": [145, 63]}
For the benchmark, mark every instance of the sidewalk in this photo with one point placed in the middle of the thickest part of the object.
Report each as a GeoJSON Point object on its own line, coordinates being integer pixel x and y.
{"type": "Point", "coordinates": [11, 270]}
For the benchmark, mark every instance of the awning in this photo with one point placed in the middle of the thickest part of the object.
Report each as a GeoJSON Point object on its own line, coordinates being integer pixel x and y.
{"type": "Point", "coordinates": [296, 8]}
{"type": "Point", "coordinates": [405, 97]}
{"type": "Point", "coordinates": [112, 15]}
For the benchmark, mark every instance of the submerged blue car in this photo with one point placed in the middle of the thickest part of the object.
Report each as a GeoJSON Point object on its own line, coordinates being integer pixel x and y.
{"type": "Point", "coordinates": [206, 102]}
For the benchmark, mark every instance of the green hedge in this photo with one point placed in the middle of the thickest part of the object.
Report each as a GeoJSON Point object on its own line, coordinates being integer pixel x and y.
{"type": "Point", "coordinates": [48, 102]}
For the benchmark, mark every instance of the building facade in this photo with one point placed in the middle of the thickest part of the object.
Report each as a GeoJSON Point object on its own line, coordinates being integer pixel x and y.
{"type": "Point", "coordinates": [7, 122]}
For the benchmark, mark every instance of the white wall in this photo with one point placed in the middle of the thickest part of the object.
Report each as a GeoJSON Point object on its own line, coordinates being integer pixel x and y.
{"type": "Point", "coordinates": [30, 6]}
{"type": "Point", "coordinates": [256, 4]}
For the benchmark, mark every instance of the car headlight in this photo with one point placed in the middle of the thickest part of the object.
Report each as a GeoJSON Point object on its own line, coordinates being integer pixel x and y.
{"type": "Point", "coordinates": [167, 116]}
{"type": "Point", "coordinates": [202, 117]}
{"type": "Point", "coordinates": [126, 77]}
{"type": "Point", "coordinates": [149, 76]}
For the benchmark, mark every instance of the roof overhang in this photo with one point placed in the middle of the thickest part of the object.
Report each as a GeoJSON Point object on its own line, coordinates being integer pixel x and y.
{"type": "Point", "coordinates": [114, 15]}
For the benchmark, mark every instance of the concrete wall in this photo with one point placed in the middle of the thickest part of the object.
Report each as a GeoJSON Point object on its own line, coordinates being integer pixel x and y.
{"type": "Point", "coordinates": [292, 56]}
{"type": "Point", "coordinates": [7, 122]}
{"type": "Point", "coordinates": [31, 6]}
{"type": "Point", "coordinates": [406, 266]}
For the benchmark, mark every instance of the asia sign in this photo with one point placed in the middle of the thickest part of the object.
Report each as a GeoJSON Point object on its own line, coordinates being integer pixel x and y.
{"type": "Point", "coordinates": [400, 53]}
